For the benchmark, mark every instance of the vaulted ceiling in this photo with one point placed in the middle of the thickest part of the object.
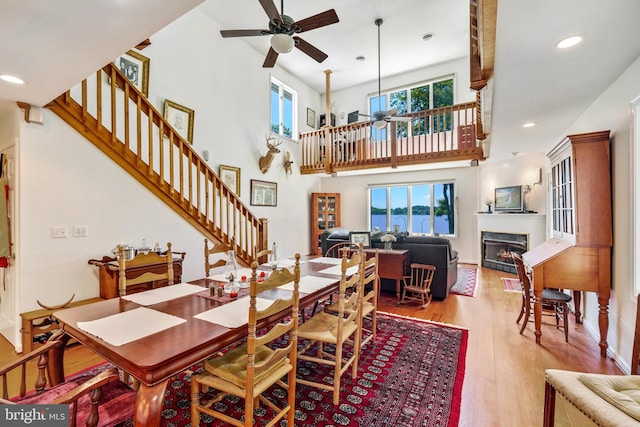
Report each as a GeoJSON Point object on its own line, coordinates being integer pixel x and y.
{"type": "Point", "coordinates": [53, 45]}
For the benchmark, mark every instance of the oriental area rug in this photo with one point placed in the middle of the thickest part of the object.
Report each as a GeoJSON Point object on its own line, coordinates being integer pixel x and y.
{"type": "Point", "coordinates": [511, 285]}
{"type": "Point", "coordinates": [466, 283]}
{"type": "Point", "coordinates": [411, 375]}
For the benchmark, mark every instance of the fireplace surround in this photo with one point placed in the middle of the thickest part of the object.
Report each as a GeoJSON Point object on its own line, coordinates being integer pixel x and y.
{"type": "Point", "coordinates": [497, 246]}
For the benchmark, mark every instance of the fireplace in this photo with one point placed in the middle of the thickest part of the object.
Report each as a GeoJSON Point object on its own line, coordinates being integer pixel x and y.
{"type": "Point", "coordinates": [496, 249]}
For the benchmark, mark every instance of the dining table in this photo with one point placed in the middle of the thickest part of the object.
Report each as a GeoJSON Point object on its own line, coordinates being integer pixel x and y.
{"type": "Point", "coordinates": [156, 334]}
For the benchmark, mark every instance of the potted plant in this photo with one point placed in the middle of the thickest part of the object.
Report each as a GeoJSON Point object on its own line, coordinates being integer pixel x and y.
{"type": "Point", "coordinates": [388, 240]}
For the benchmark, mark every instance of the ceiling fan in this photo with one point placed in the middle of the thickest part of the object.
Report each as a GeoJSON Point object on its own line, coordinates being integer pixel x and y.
{"type": "Point", "coordinates": [283, 27]}
{"type": "Point", "coordinates": [381, 118]}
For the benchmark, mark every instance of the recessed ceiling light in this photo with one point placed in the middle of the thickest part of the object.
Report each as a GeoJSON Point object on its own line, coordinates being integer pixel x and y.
{"type": "Point", "coordinates": [427, 37]}
{"type": "Point", "coordinates": [12, 79]}
{"type": "Point", "coordinates": [529, 125]}
{"type": "Point", "coordinates": [568, 42]}
{"type": "Point", "coordinates": [360, 58]}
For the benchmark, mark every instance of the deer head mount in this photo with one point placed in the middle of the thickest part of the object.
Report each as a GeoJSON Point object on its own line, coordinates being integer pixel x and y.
{"type": "Point", "coordinates": [265, 161]}
{"type": "Point", "coordinates": [287, 163]}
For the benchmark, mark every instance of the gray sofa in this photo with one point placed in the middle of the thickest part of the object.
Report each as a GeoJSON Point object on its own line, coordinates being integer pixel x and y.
{"type": "Point", "coordinates": [436, 251]}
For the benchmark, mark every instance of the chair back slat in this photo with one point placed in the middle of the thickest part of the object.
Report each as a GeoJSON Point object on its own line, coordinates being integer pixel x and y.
{"type": "Point", "coordinates": [143, 259]}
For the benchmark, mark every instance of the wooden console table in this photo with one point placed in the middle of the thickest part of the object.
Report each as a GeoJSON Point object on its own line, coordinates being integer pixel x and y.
{"type": "Point", "coordinates": [109, 274]}
{"type": "Point", "coordinates": [392, 264]}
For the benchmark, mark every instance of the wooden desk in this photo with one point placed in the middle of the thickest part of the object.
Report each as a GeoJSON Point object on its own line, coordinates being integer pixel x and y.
{"type": "Point", "coordinates": [392, 264]}
{"type": "Point", "coordinates": [109, 275]}
{"type": "Point", "coordinates": [156, 358]}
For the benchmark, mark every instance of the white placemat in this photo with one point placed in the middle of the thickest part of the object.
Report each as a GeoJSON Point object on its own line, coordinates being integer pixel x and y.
{"type": "Point", "coordinates": [155, 296]}
{"type": "Point", "coordinates": [233, 314]}
{"type": "Point", "coordinates": [309, 284]}
{"type": "Point", "coordinates": [336, 270]}
{"type": "Point", "coordinates": [287, 262]}
{"type": "Point", "coordinates": [222, 277]}
{"type": "Point", "coordinates": [326, 260]}
{"type": "Point", "coordinates": [122, 328]}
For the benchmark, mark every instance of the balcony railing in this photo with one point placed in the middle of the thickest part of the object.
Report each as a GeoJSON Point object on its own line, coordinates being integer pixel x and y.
{"type": "Point", "coordinates": [438, 135]}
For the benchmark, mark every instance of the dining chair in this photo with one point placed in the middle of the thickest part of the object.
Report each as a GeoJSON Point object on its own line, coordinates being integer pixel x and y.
{"type": "Point", "coordinates": [100, 399]}
{"type": "Point", "coordinates": [368, 297]}
{"type": "Point", "coordinates": [268, 355]}
{"type": "Point", "coordinates": [217, 248]}
{"type": "Point", "coordinates": [334, 331]}
{"type": "Point", "coordinates": [417, 286]}
{"type": "Point", "coordinates": [125, 282]}
{"type": "Point", "coordinates": [554, 302]}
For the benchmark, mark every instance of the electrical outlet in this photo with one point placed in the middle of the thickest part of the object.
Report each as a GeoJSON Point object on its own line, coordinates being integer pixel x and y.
{"type": "Point", "coordinates": [80, 231]}
{"type": "Point", "coordinates": [59, 232]}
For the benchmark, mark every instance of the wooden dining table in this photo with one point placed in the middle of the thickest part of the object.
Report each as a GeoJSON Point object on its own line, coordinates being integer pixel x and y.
{"type": "Point", "coordinates": [155, 358]}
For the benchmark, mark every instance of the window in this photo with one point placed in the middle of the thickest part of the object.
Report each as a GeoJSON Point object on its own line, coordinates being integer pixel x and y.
{"type": "Point", "coordinates": [284, 107]}
{"type": "Point", "coordinates": [422, 97]}
{"type": "Point", "coordinates": [423, 208]}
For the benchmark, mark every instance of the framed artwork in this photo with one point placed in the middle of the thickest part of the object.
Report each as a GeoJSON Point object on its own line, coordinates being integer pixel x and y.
{"type": "Point", "coordinates": [135, 67]}
{"type": "Point", "coordinates": [264, 193]}
{"type": "Point", "coordinates": [180, 118]}
{"type": "Point", "coordinates": [356, 237]}
{"type": "Point", "coordinates": [231, 177]}
{"type": "Point", "coordinates": [311, 118]}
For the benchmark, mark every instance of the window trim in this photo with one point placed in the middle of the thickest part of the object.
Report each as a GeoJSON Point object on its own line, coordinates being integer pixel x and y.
{"type": "Point", "coordinates": [283, 87]}
{"type": "Point", "coordinates": [408, 88]}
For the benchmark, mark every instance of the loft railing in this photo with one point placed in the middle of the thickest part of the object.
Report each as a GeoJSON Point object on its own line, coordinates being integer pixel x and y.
{"type": "Point", "coordinates": [109, 111]}
{"type": "Point", "coordinates": [438, 135]}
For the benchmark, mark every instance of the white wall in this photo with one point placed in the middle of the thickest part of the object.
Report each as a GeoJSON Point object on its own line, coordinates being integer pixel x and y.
{"type": "Point", "coordinates": [66, 181]}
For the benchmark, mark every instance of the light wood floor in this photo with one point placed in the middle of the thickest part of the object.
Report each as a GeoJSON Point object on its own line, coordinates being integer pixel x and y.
{"type": "Point", "coordinates": [504, 379]}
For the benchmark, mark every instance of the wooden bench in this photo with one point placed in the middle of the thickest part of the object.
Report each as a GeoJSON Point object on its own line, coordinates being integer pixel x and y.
{"type": "Point", "coordinates": [40, 322]}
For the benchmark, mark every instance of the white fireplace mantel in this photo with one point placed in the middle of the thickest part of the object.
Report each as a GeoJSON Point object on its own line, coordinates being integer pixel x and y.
{"type": "Point", "coordinates": [524, 223]}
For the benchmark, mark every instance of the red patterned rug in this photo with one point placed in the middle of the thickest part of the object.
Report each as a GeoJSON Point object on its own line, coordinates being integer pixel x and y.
{"type": "Point", "coordinates": [411, 375]}
{"type": "Point", "coordinates": [511, 285]}
{"type": "Point", "coordinates": [466, 283]}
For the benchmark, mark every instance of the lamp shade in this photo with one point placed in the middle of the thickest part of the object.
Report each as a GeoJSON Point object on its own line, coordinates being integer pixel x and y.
{"type": "Point", "coordinates": [282, 43]}
{"type": "Point", "coordinates": [380, 124]}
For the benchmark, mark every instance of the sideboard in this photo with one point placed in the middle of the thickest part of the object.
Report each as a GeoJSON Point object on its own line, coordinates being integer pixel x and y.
{"type": "Point", "coordinates": [109, 272]}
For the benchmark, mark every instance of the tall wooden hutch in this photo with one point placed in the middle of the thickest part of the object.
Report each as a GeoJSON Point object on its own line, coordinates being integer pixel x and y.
{"type": "Point", "coordinates": [325, 213]}
{"type": "Point", "coordinates": [578, 255]}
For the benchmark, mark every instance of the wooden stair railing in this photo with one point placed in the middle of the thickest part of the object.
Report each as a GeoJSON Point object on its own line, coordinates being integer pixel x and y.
{"type": "Point", "coordinates": [118, 119]}
{"type": "Point", "coordinates": [439, 135]}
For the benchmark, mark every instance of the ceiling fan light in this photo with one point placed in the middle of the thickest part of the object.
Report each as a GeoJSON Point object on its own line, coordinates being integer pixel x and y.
{"type": "Point", "coordinates": [380, 124]}
{"type": "Point", "coordinates": [282, 43]}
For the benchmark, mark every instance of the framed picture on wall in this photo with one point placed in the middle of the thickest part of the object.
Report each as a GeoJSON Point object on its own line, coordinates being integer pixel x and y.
{"type": "Point", "coordinates": [231, 177]}
{"type": "Point", "coordinates": [135, 68]}
{"type": "Point", "coordinates": [180, 118]}
{"type": "Point", "coordinates": [264, 193]}
{"type": "Point", "coordinates": [311, 118]}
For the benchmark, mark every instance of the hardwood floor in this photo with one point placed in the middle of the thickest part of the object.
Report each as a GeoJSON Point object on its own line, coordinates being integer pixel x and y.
{"type": "Point", "coordinates": [504, 379]}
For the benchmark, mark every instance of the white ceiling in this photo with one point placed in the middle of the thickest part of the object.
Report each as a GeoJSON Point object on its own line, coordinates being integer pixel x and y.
{"type": "Point", "coordinates": [55, 44]}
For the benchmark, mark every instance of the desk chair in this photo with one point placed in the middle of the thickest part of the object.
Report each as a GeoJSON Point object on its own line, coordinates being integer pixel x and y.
{"type": "Point", "coordinates": [554, 302]}
{"type": "Point", "coordinates": [250, 369]}
{"type": "Point", "coordinates": [608, 400]}
{"type": "Point", "coordinates": [417, 286]}
{"type": "Point", "coordinates": [95, 400]}
{"type": "Point", "coordinates": [217, 248]}
{"type": "Point", "coordinates": [144, 259]}
{"type": "Point", "coordinates": [337, 330]}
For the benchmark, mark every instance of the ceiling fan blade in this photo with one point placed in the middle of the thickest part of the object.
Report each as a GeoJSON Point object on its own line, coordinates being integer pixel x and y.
{"type": "Point", "coordinates": [364, 115]}
{"type": "Point", "coordinates": [325, 18]}
{"type": "Point", "coordinates": [271, 58]}
{"type": "Point", "coordinates": [271, 10]}
{"type": "Point", "coordinates": [243, 33]}
{"type": "Point", "coordinates": [310, 50]}
{"type": "Point", "coordinates": [391, 112]}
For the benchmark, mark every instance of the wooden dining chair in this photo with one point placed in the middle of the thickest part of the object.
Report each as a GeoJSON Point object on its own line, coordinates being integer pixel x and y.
{"type": "Point", "coordinates": [334, 331]}
{"type": "Point", "coordinates": [100, 399]}
{"type": "Point", "coordinates": [417, 286]}
{"type": "Point", "coordinates": [554, 302]}
{"type": "Point", "coordinates": [125, 282]}
{"type": "Point", "coordinates": [247, 371]}
{"type": "Point", "coordinates": [217, 248]}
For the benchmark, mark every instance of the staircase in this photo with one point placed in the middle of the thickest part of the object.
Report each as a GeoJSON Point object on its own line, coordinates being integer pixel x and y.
{"type": "Point", "coordinates": [118, 119]}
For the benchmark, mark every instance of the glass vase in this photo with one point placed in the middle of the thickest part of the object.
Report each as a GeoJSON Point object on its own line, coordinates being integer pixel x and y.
{"type": "Point", "coordinates": [388, 246]}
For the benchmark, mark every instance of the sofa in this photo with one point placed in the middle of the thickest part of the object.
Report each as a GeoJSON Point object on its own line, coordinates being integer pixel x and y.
{"type": "Point", "coordinates": [431, 250]}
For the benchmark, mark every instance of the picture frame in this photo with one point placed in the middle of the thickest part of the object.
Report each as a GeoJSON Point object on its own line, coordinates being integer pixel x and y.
{"type": "Point", "coordinates": [180, 118]}
{"type": "Point", "coordinates": [230, 175]}
{"type": "Point", "coordinates": [135, 68]}
{"type": "Point", "coordinates": [311, 118]}
{"type": "Point", "coordinates": [264, 193]}
{"type": "Point", "coordinates": [356, 237]}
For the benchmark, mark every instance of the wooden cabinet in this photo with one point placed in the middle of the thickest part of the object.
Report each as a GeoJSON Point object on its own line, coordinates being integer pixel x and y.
{"type": "Point", "coordinates": [109, 272]}
{"type": "Point", "coordinates": [325, 213]}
